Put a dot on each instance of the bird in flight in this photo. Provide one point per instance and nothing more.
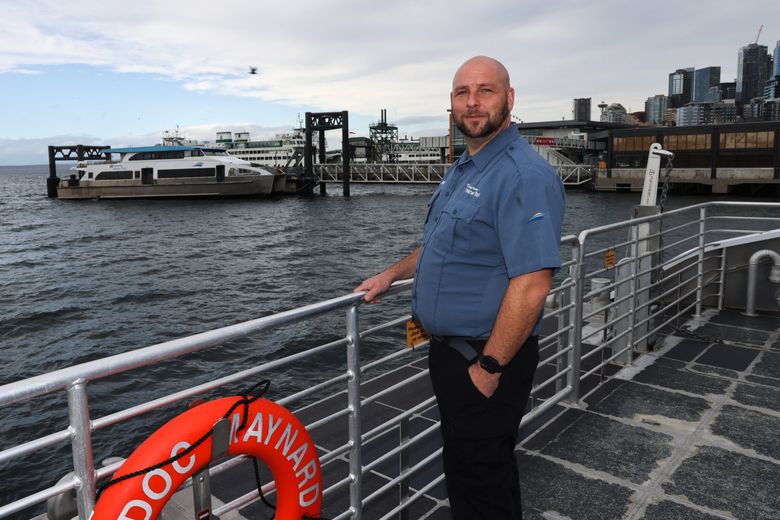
(253, 70)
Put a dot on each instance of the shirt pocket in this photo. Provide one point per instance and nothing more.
(459, 226)
(430, 205)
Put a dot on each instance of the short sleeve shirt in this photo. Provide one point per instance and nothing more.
(495, 216)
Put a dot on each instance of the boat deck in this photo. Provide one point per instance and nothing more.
(686, 433)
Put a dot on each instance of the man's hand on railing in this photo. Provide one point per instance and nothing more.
(380, 283)
(375, 286)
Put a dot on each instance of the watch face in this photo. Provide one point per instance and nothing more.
(489, 364)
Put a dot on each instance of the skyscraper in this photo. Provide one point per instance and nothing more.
(655, 108)
(680, 87)
(703, 79)
(777, 60)
(581, 109)
(752, 71)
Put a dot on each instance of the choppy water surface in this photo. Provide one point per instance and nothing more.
(83, 280)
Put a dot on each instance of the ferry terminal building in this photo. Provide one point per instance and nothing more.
(718, 159)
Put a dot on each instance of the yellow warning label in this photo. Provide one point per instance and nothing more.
(609, 258)
(415, 334)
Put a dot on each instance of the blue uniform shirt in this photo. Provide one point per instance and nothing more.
(495, 216)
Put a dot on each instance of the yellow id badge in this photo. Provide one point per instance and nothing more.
(415, 334)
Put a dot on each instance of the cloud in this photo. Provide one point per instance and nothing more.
(35, 150)
(397, 55)
(421, 120)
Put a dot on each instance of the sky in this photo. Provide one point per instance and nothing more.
(122, 73)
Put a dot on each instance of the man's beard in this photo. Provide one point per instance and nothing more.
(490, 126)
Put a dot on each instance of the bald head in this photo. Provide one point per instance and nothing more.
(484, 65)
(482, 100)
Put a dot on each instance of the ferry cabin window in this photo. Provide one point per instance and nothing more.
(114, 175)
(153, 156)
(191, 172)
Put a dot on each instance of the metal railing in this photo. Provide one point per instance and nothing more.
(575, 174)
(635, 262)
(376, 173)
(571, 175)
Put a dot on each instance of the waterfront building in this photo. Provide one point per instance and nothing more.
(772, 88)
(457, 140)
(772, 110)
(697, 114)
(728, 90)
(716, 155)
(723, 112)
(754, 110)
(690, 115)
(581, 109)
(564, 142)
(655, 109)
(670, 118)
(703, 80)
(681, 87)
(752, 72)
(617, 113)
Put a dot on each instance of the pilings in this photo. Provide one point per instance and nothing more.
(74, 152)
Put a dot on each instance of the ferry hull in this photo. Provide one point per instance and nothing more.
(260, 186)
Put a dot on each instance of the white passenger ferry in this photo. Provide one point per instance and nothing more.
(168, 171)
(280, 151)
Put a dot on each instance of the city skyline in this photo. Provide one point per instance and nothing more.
(84, 73)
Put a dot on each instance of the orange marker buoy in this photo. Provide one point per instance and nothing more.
(271, 433)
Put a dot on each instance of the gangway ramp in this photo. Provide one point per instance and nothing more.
(572, 175)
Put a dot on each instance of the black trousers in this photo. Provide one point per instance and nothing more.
(480, 433)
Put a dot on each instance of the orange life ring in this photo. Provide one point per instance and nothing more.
(271, 434)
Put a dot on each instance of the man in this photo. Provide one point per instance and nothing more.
(482, 273)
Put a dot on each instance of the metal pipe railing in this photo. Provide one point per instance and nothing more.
(671, 289)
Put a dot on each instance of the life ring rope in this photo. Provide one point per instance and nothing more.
(245, 401)
(261, 430)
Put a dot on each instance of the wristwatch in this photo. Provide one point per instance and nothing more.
(489, 364)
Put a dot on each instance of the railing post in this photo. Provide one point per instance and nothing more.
(623, 273)
(634, 288)
(403, 467)
(578, 275)
(81, 442)
(353, 395)
(722, 281)
(700, 277)
(564, 339)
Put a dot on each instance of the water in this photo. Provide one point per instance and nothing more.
(83, 280)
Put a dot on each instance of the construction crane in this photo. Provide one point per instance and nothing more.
(759, 33)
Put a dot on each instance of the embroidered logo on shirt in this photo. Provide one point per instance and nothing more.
(471, 190)
(536, 216)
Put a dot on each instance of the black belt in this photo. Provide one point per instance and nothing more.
(462, 344)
